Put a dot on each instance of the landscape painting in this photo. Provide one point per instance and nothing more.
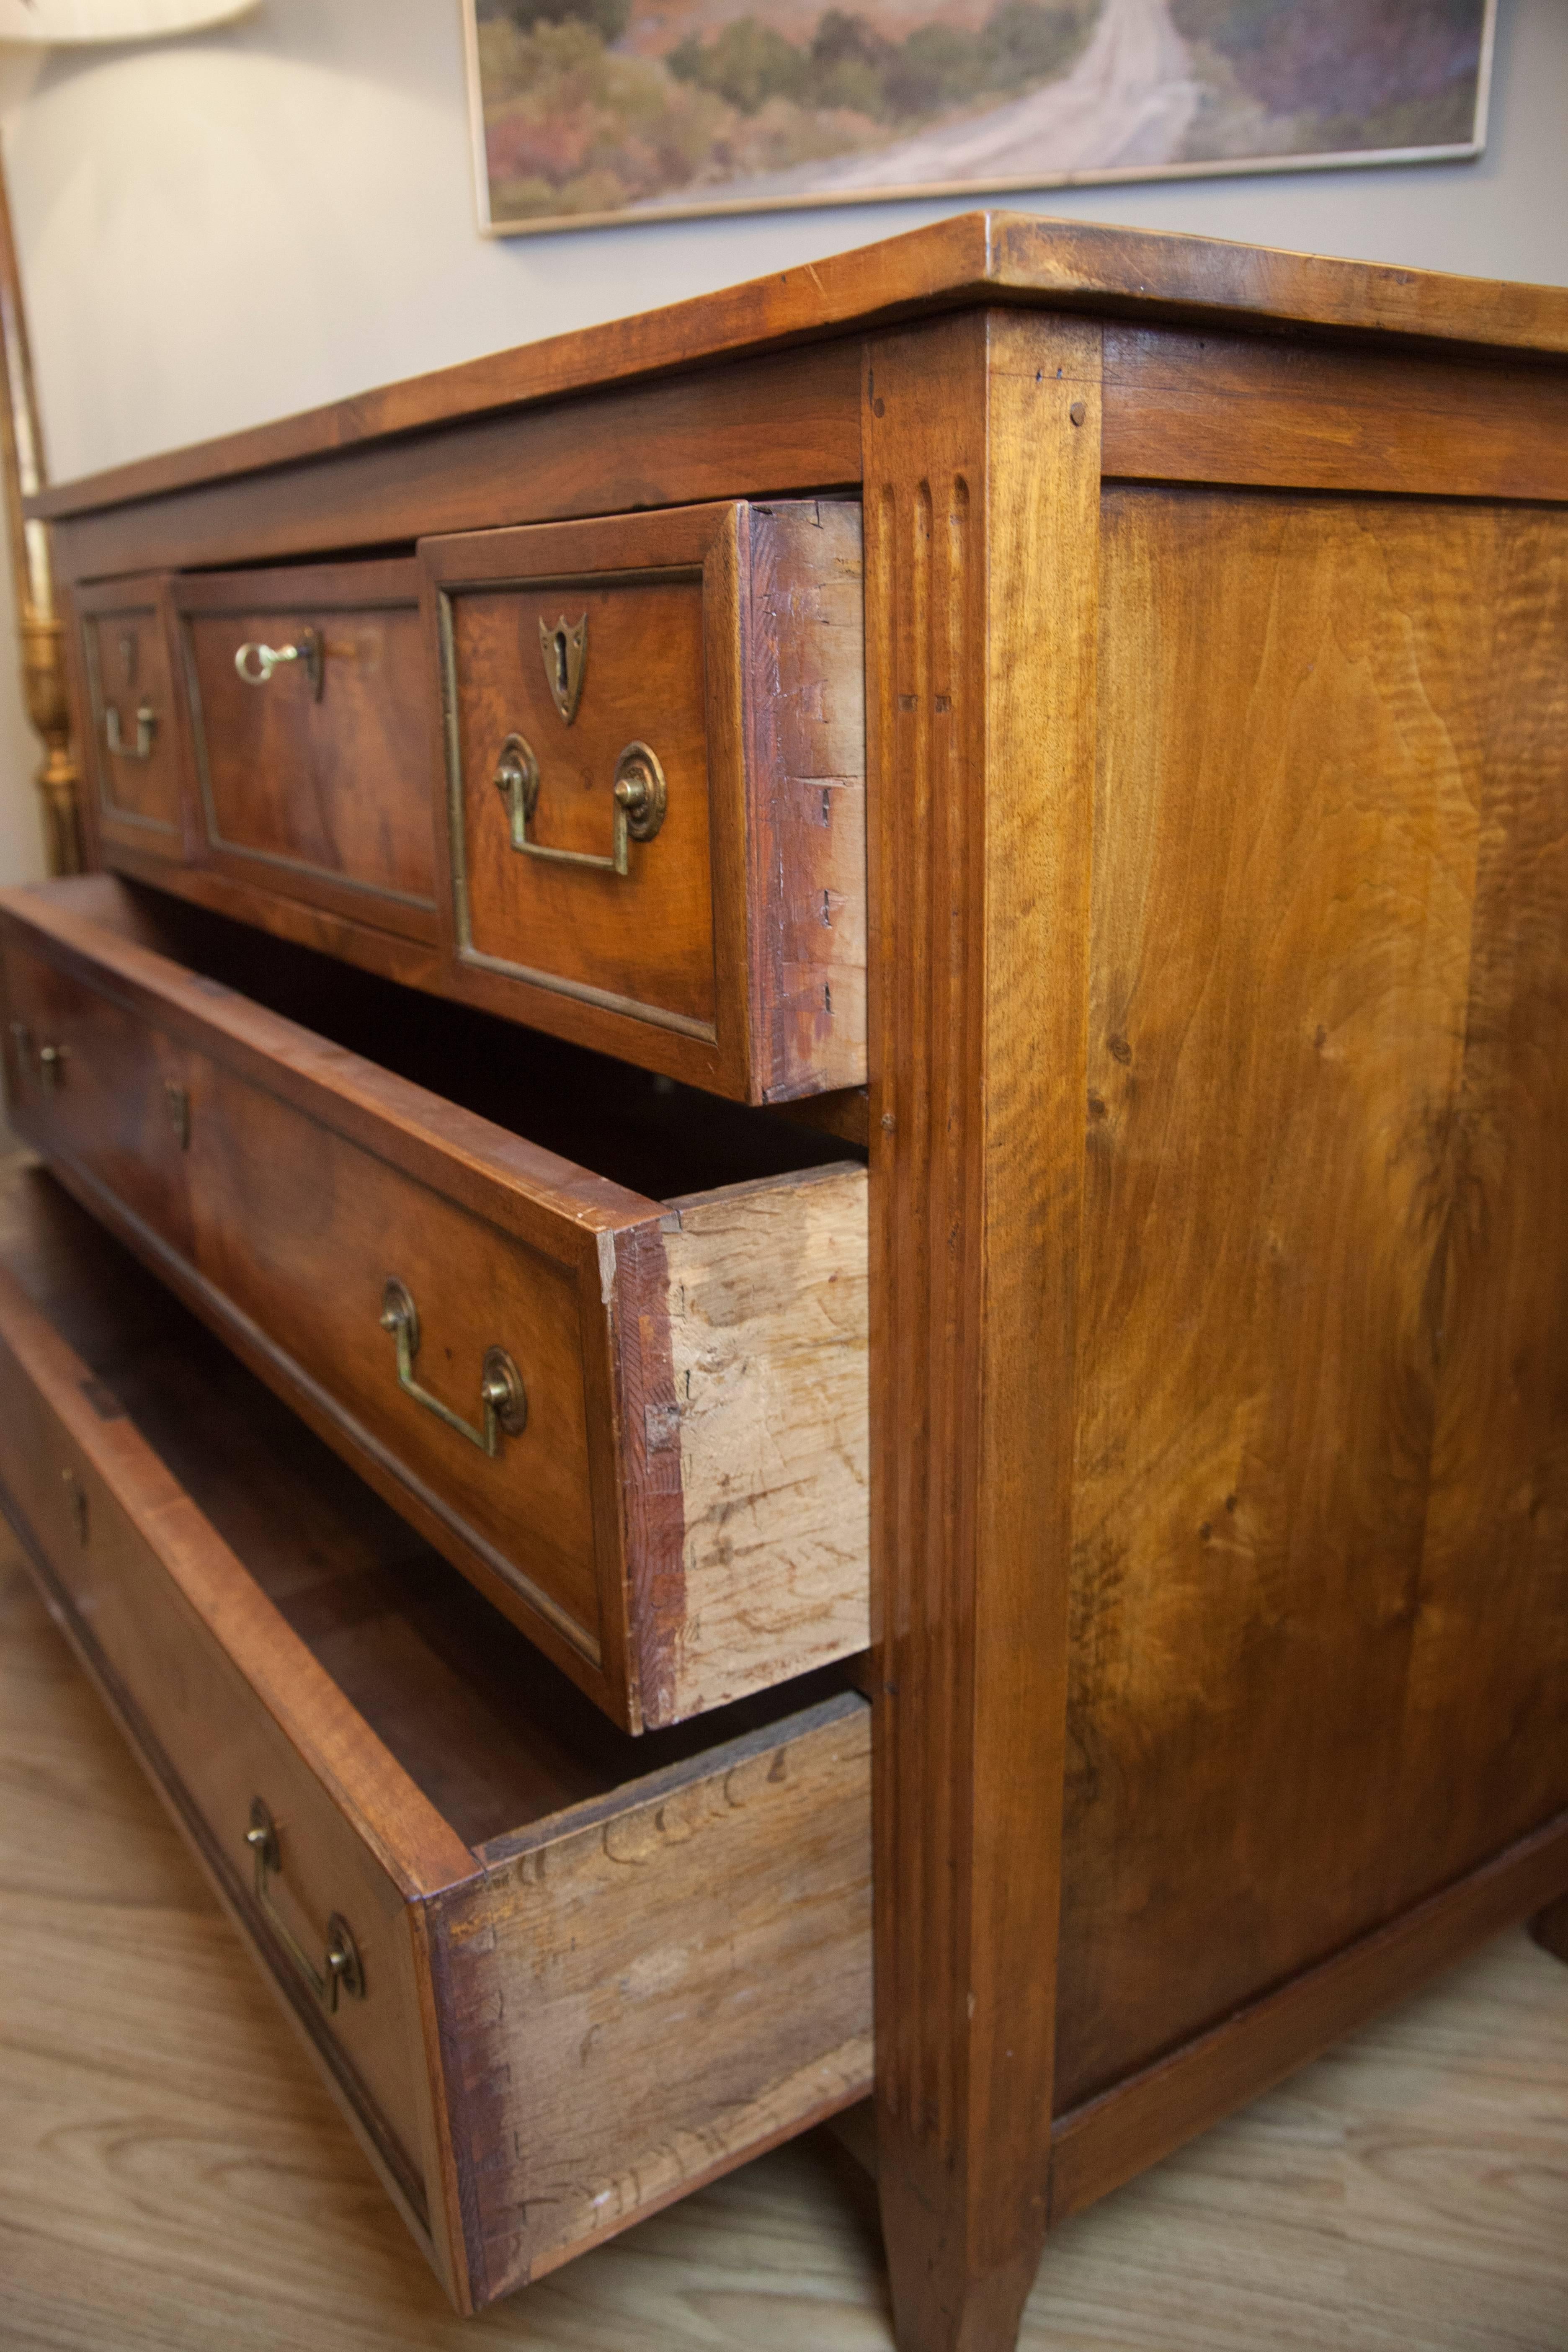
(588, 112)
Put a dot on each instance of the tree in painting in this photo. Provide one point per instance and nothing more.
(598, 107)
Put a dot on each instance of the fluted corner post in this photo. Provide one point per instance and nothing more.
(981, 440)
(43, 643)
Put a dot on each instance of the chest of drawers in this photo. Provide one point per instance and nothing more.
(879, 959)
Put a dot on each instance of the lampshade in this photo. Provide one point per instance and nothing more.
(50, 21)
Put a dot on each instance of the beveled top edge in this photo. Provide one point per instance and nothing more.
(1007, 256)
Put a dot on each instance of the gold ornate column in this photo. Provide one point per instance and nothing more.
(43, 650)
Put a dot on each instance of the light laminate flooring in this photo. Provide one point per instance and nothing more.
(172, 2175)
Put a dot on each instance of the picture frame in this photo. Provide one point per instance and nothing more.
(591, 113)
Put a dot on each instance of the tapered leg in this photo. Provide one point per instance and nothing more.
(982, 486)
(1550, 1928)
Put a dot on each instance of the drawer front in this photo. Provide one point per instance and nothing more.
(301, 1230)
(127, 710)
(214, 1749)
(655, 775)
(310, 737)
(88, 1077)
(556, 876)
(295, 1231)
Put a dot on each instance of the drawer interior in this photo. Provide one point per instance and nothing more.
(495, 1737)
(650, 1133)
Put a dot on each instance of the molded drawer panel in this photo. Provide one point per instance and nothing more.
(309, 735)
(655, 745)
(119, 639)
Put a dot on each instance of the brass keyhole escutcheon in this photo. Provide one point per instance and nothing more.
(564, 647)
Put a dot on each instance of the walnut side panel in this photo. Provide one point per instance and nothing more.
(734, 1890)
(981, 493)
(1107, 2141)
(1319, 1603)
(1483, 1757)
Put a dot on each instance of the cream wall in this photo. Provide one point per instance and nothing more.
(216, 230)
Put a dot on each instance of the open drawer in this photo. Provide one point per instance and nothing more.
(556, 1976)
(616, 1372)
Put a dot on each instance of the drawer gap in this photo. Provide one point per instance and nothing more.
(638, 1129)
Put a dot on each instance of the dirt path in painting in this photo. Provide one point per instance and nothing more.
(1129, 100)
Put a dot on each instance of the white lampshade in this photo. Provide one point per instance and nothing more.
(46, 22)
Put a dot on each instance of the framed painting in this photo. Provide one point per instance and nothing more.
(591, 111)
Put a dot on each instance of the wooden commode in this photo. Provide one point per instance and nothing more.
(819, 1067)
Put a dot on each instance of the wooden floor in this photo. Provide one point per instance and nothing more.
(170, 2176)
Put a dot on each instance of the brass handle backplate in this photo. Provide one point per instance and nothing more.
(637, 798)
(341, 1973)
(256, 662)
(503, 1399)
(146, 728)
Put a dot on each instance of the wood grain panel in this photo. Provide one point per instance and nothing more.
(1482, 1752)
(735, 1890)
(982, 504)
(1286, 869)
(642, 940)
(765, 1308)
(765, 426)
(1248, 408)
(108, 1099)
(728, 639)
(328, 793)
(1097, 2146)
(118, 648)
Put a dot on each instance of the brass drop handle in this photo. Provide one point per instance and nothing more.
(256, 662)
(341, 1973)
(637, 798)
(503, 1399)
(146, 728)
